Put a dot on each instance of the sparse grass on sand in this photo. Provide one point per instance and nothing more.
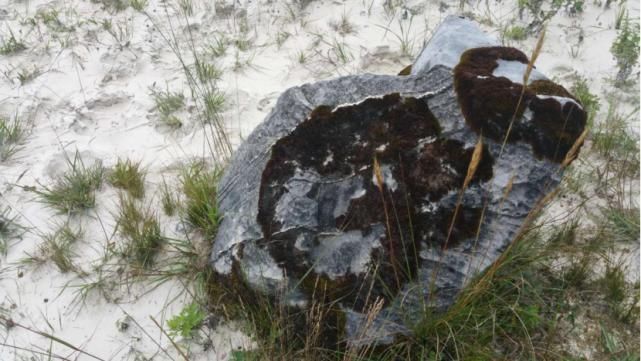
(138, 225)
(12, 133)
(74, 190)
(57, 248)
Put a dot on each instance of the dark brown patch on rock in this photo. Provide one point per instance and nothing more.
(489, 104)
(339, 147)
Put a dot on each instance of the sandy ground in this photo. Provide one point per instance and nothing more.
(92, 94)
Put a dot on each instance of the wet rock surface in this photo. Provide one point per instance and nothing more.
(351, 185)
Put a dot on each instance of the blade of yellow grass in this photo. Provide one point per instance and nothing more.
(535, 55)
(379, 183)
(474, 162)
(574, 151)
(526, 77)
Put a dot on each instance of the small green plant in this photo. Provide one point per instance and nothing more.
(614, 285)
(117, 5)
(301, 57)
(57, 247)
(515, 33)
(219, 46)
(613, 141)
(207, 71)
(621, 224)
(167, 103)
(343, 25)
(199, 187)
(403, 36)
(626, 49)
(12, 133)
(214, 102)
(26, 75)
(11, 45)
(186, 6)
(75, 189)
(590, 101)
(9, 228)
(168, 199)
(139, 5)
(244, 356)
(129, 176)
(281, 37)
(187, 321)
(140, 228)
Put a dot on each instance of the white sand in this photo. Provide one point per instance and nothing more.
(93, 96)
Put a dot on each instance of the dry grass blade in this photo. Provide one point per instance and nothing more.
(379, 183)
(471, 170)
(180, 351)
(526, 77)
(535, 55)
(507, 190)
(7, 321)
(358, 352)
(474, 162)
(574, 151)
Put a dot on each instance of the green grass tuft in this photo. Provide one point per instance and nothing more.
(12, 134)
(167, 103)
(515, 33)
(626, 49)
(187, 321)
(590, 101)
(168, 199)
(199, 186)
(129, 176)
(75, 189)
(9, 229)
(140, 228)
(11, 45)
(57, 247)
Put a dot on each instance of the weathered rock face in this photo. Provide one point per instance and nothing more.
(351, 184)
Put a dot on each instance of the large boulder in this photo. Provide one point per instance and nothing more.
(360, 188)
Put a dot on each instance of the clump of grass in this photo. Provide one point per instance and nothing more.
(301, 57)
(139, 5)
(129, 176)
(281, 37)
(12, 133)
(117, 5)
(219, 46)
(75, 189)
(57, 247)
(187, 321)
(515, 33)
(626, 49)
(140, 228)
(207, 71)
(50, 17)
(590, 101)
(167, 103)
(168, 199)
(343, 25)
(199, 186)
(614, 142)
(11, 45)
(9, 228)
(621, 224)
(613, 283)
(26, 75)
